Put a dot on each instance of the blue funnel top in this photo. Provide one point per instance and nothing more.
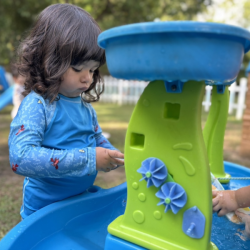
(180, 50)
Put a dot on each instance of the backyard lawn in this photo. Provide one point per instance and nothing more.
(114, 120)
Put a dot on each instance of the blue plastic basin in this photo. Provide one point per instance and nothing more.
(180, 50)
(81, 222)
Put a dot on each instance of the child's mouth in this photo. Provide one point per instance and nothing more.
(83, 88)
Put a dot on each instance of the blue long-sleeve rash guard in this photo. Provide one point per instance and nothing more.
(53, 146)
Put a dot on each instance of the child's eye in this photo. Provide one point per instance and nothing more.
(76, 70)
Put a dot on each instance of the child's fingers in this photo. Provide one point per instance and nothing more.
(215, 201)
(118, 161)
(117, 158)
(115, 164)
(244, 217)
(239, 214)
(216, 208)
(221, 212)
(115, 154)
(107, 169)
(214, 193)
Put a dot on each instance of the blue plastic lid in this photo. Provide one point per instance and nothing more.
(176, 26)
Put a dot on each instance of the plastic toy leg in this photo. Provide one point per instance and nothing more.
(214, 132)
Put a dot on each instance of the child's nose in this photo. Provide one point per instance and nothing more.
(86, 76)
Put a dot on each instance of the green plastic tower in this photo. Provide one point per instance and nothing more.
(166, 126)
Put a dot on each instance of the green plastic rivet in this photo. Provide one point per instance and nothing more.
(138, 216)
(135, 185)
(157, 215)
(167, 200)
(142, 197)
(148, 174)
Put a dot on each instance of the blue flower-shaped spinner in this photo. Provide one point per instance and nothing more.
(173, 196)
(153, 171)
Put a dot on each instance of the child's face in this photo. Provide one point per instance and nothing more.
(77, 79)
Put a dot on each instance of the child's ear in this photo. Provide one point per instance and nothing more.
(20, 79)
(15, 78)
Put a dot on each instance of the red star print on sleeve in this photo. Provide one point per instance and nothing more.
(96, 128)
(55, 162)
(103, 142)
(20, 130)
(14, 167)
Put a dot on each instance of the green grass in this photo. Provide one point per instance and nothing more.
(113, 119)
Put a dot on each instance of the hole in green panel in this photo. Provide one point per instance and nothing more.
(172, 111)
(137, 140)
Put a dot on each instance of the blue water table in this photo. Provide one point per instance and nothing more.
(166, 202)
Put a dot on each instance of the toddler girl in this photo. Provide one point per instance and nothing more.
(55, 140)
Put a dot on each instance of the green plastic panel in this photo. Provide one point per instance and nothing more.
(166, 126)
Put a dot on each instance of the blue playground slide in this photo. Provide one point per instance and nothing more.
(6, 97)
(3, 81)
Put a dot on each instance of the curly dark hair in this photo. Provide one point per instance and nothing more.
(63, 35)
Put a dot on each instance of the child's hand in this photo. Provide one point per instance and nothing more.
(246, 219)
(224, 202)
(106, 159)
